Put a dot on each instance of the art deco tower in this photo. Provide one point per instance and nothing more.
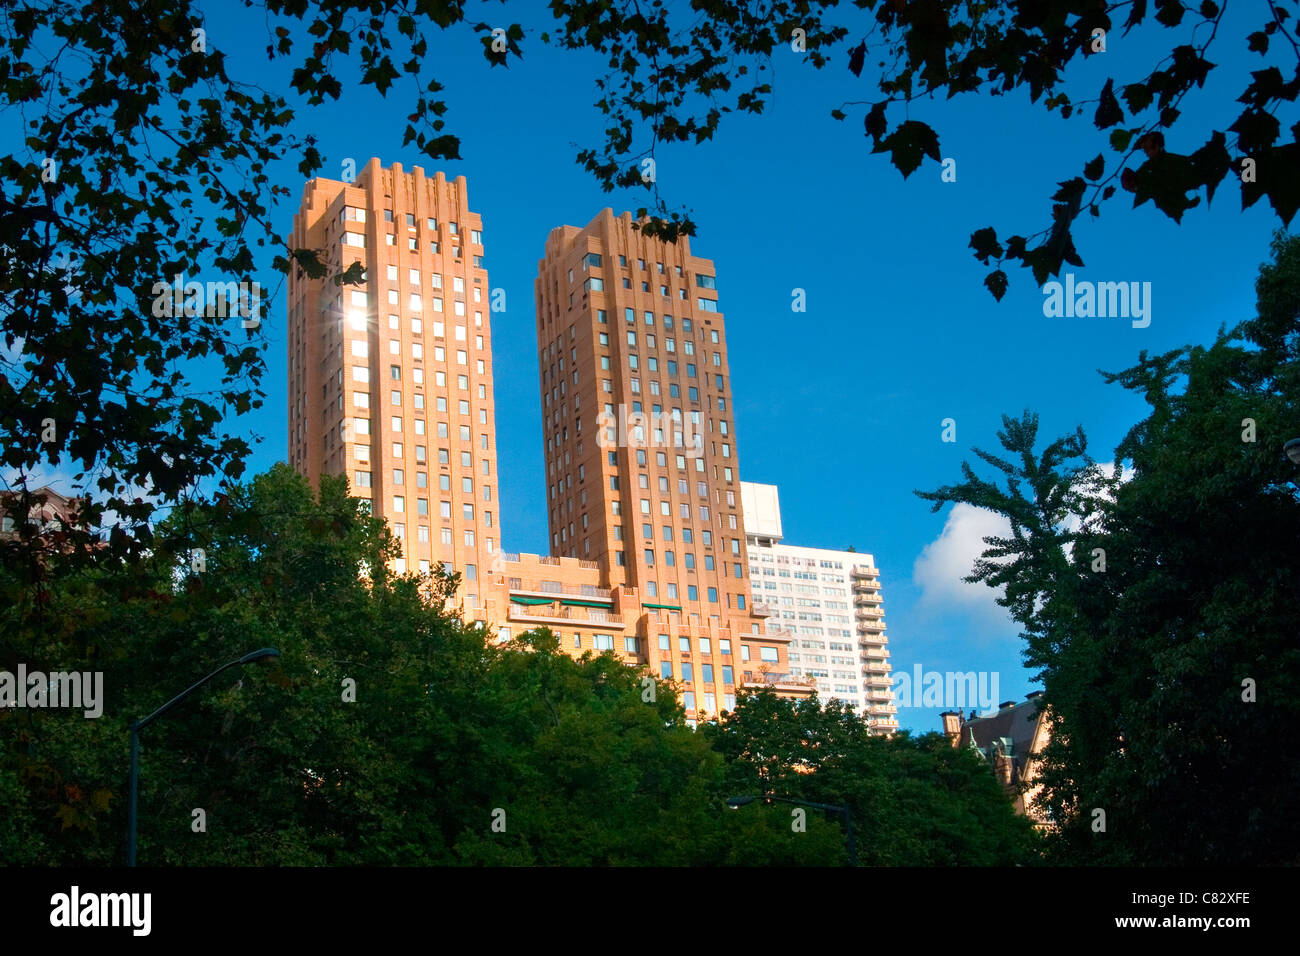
(390, 382)
(642, 466)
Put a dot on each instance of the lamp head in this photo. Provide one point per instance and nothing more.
(264, 653)
(1292, 449)
(737, 802)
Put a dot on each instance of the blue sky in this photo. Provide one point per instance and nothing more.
(899, 333)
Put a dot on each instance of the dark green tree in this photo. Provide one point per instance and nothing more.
(141, 159)
(388, 732)
(916, 801)
(674, 71)
(1160, 612)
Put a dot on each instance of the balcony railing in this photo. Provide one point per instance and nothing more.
(555, 587)
(771, 679)
(572, 615)
(512, 557)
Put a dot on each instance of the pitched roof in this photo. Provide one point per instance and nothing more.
(1011, 730)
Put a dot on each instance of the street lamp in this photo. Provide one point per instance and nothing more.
(1292, 449)
(136, 726)
(850, 844)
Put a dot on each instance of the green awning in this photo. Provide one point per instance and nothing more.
(531, 600)
(664, 607)
(583, 602)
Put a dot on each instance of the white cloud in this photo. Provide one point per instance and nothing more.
(944, 562)
(1074, 522)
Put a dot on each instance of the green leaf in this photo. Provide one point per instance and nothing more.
(857, 56)
(908, 144)
(1108, 109)
(1275, 178)
(1169, 12)
(1138, 96)
(874, 122)
(985, 243)
(996, 283)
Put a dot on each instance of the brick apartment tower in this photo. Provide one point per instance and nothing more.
(390, 382)
(629, 326)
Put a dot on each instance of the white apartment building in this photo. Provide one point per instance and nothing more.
(828, 603)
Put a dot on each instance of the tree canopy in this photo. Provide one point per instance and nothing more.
(139, 159)
(916, 801)
(1159, 604)
(390, 732)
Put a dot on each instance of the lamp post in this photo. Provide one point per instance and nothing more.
(850, 844)
(133, 785)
